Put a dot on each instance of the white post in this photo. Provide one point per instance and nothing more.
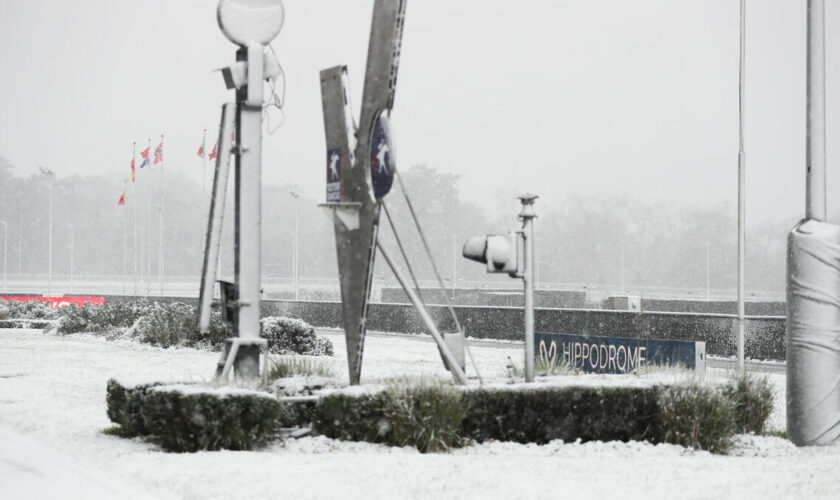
(527, 215)
(621, 250)
(295, 248)
(49, 173)
(149, 226)
(71, 257)
(815, 191)
(454, 264)
(5, 249)
(741, 189)
(708, 272)
(160, 225)
(125, 235)
(134, 205)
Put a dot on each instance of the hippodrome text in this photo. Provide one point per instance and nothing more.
(614, 354)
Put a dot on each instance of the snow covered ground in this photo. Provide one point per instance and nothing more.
(52, 413)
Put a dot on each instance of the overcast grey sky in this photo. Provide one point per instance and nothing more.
(555, 97)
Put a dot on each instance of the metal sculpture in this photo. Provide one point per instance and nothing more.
(360, 167)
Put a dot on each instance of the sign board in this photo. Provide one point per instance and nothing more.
(381, 157)
(617, 355)
(57, 301)
(334, 175)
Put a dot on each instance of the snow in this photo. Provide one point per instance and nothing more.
(52, 396)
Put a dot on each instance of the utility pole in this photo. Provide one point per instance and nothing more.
(5, 252)
(296, 196)
(741, 188)
(71, 257)
(50, 174)
(527, 216)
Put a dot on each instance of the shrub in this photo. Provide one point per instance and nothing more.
(188, 418)
(352, 418)
(176, 324)
(292, 366)
(753, 398)
(541, 414)
(427, 416)
(697, 416)
(124, 405)
(103, 318)
(31, 309)
(4, 311)
(293, 336)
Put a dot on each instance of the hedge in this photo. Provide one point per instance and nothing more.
(189, 418)
(436, 416)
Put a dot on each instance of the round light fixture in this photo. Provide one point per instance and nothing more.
(246, 22)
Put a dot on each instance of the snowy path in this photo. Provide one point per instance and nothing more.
(52, 392)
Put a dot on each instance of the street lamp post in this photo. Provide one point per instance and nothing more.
(71, 258)
(49, 173)
(5, 251)
(296, 196)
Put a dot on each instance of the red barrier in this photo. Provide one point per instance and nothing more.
(59, 301)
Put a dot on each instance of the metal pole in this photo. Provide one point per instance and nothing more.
(5, 248)
(454, 365)
(134, 205)
(49, 266)
(71, 257)
(741, 188)
(295, 250)
(708, 272)
(160, 225)
(527, 215)
(454, 264)
(248, 263)
(125, 236)
(815, 190)
(149, 227)
(622, 267)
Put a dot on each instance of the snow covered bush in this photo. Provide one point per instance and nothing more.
(753, 398)
(352, 417)
(176, 324)
(290, 335)
(426, 415)
(541, 414)
(31, 309)
(124, 407)
(189, 418)
(697, 416)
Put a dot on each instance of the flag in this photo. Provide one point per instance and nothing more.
(201, 149)
(132, 169)
(145, 155)
(122, 198)
(213, 153)
(158, 154)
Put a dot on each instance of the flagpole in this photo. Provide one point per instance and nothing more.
(125, 230)
(149, 227)
(160, 226)
(203, 181)
(134, 205)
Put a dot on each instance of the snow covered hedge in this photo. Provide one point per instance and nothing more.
(175, 324)
(692, 415)
(189, 418)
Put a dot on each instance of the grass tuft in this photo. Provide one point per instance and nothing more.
(753, 398)
(300, 366)
(425, 414)
(697, 416)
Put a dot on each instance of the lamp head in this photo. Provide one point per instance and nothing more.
(246, 22)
